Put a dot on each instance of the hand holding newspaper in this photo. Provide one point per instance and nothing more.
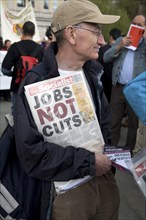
(63, 112)
(119, 157)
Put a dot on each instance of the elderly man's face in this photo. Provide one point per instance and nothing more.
(88, 39)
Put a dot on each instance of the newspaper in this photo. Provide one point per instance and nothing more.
(64, 113)
(138, 169)
(119, 156)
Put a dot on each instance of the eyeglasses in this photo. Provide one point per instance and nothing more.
(97, 33)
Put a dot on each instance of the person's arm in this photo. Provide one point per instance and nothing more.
(114, 51)
(125, 41)
(6, 72)
(9, 60)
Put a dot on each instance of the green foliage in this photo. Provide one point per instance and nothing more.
(133, 8)
(108, 7)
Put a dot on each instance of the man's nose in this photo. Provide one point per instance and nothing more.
(101, 40)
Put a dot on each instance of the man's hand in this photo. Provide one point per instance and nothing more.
(102, 163)
(125, 41)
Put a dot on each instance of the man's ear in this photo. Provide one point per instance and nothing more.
(70, 34)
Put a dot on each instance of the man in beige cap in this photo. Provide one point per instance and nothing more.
(77, 29)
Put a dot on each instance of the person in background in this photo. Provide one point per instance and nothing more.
(76, 26)
(49, 37)
(107, 74)
(9, 64)
(127, 64)
(7, 44)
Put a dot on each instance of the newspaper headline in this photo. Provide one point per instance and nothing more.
(64, 113)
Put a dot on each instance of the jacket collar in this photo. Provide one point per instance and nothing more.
(49, 60)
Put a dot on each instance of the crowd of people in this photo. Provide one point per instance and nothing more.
(9, 66)
(75, 43)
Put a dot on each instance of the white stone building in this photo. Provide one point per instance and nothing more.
(43, 10)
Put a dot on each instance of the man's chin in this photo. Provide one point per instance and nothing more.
(95, 57)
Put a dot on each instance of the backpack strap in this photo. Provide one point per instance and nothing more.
(40, 70)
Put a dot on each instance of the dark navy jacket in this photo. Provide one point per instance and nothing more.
(48, 161)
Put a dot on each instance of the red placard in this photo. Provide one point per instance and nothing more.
(135, 32)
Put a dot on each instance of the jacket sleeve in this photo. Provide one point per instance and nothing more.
(6, 72)
(111, 53)
(9, 60)
(43, 160)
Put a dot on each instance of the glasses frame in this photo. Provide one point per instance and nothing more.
(97, 33)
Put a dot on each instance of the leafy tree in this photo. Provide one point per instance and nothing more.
(133, 8)
(109, 7)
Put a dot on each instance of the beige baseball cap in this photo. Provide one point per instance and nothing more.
(73, 12)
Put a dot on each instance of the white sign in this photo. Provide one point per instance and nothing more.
(5, 81)
(11, 23)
